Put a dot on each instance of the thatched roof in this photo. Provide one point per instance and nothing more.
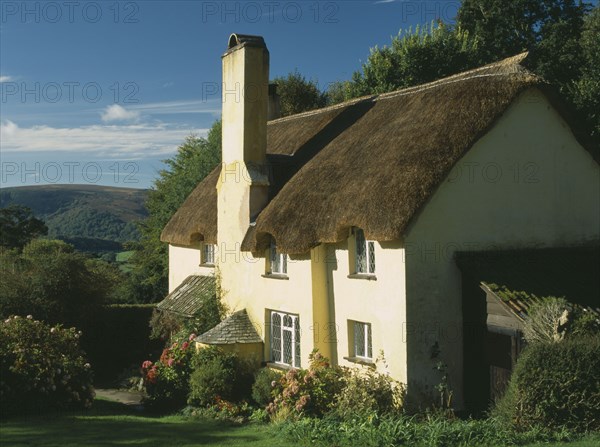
(371, 162)
(196, 218)
(190, 296)
(236, 329)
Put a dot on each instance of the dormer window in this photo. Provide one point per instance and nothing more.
(208, 254)
(278, 261)
(364, 254)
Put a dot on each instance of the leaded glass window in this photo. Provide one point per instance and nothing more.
(363, 345)
(365, 253)
(285, 339)
(278, 260)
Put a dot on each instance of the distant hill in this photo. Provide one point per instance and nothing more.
(94, 218)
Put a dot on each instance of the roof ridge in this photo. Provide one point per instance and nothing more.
(513, 61)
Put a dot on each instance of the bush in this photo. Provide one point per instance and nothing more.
(219, 376)
(367, 392)
(43, 367)
(546, 321)
(263, 387)
(166, 381)
(555, 385)
(307, 392)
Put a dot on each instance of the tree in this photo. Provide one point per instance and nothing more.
(414, 57)
(18, 226)
(53, 282)
(586, 90)
(194, 160)
(549, 29)
(298, 95)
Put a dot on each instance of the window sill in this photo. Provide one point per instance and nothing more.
(361, 361)
(279, 366)
(367, 276)
(206, 265)
(276, 276)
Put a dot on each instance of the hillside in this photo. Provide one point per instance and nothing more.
(93, 218)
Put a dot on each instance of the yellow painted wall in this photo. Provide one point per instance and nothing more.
(244, 287)
(527, 183)
(185, 261)
(380, 302)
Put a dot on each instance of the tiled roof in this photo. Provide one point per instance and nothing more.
(189, 297)
(519, 306)
(236, 329)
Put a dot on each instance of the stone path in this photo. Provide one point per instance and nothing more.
(131, 398)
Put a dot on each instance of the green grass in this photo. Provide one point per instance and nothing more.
(111, 423)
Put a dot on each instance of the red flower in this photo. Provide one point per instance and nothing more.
(185, 345)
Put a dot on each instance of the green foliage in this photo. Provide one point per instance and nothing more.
(194, 160)
(298, 95)
(18, 226)
(555, 385)
(414, 57)
(367, 393)
(219, 377)
(42, 367)
(308, 392)
(265, 381)
(166, 381)
(52, 281)
(95, 219)
(586, 90)
(402, 430)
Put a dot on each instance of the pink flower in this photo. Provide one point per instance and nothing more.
(192, 336)
(185, 345)
(147, 364)
(170, 362)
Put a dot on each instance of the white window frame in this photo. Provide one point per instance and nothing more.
(362, 350)
(277, 261)
(208, 254)
(285, 328)
(362, 245)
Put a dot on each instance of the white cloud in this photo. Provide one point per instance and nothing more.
(8, 128)
(131, 141)
(5, 78)
(212, 106)
(116, 112)
(168, 84)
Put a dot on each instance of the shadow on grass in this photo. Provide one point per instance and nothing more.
(111, 423)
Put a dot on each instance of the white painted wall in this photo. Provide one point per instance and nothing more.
(527, 183)
(185, 261)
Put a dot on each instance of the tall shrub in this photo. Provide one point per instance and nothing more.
(555, 385)
(42, 367)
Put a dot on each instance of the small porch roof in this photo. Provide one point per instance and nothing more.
(233, 330)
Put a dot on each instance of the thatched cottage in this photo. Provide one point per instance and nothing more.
(339, 229)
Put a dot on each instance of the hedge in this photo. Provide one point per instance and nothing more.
(118, 338)
(555, 385)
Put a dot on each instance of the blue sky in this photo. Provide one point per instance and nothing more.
(101, 92)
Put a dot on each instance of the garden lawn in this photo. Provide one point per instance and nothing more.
(112, 423)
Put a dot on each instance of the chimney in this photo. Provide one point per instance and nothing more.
(243, 186)
(245, 100)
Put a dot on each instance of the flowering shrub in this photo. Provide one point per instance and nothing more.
(42, 367)
(166, 381)
(308, 392)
